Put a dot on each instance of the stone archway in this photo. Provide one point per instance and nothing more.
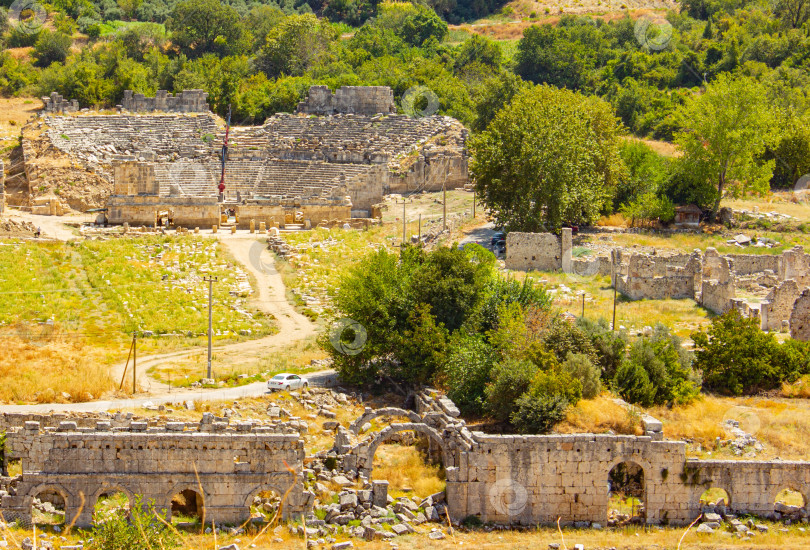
(371, 414)
(366, 458)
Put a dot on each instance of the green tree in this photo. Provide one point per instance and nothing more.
(51, 47)
(510, 379)
(545, 402)
(736, 357)
(610, 345)
(549, 158)
(726, 131)
(207, 26)
(467, 371)
(479, 49)
(794, 13)
(633, 384)
(579, 367)
(422, 349)
(295, 45)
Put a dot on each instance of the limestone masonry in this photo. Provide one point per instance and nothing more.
(506, 479)
(333, 161)
(775, 286)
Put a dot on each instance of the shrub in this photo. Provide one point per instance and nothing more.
(736, 357)
(422, 348)
(563, 338)
(511, 378)
(579, 367)
(51, 47)
(544, 404)
(467, 371)
(633, 384)
(610, 345)
(537, 415)
(141, 530)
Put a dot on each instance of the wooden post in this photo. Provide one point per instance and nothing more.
(614, 306)
(444, 207)
(420, 229)
(126, 366)
(403, 221)
(134, 360)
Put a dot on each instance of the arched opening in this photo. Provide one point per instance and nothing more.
(412, 463)
(111, 504)
(789, 505)
(264, 506)
(715, 499)
(48, 507)
(187, 508)
(626, 494)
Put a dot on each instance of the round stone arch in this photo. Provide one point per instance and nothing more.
(67, 496)
(793, 485)
(108, 489)
(646, 468)
(392, 429)
(387, 411)
(179, 488)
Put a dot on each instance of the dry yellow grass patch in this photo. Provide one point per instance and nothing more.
(800, 388)
(599, 416)
(782, 426)
(42, 370)
(404, 467)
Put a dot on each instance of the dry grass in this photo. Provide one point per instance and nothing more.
(58, 369)
(800, 388)
(600, 415)
(405, 468)
(782, 426)
(781, 202)
(614, 220)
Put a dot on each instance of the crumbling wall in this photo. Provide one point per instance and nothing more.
(187, 101)
(718, 283)
(82, 464)
(776, 309)
(55, 103)
(362, 100)
(539, 251)
(800, 317)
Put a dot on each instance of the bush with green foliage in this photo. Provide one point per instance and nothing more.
(546, 401)
(737, 358)
(579, 367)
(51, 47)
(467, 371)
(142, 529)
(610, 345)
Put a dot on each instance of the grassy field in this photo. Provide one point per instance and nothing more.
(69, 309)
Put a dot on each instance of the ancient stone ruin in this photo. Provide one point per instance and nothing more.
(57, 104)
(187, 101)
(772, 284)
(359, 100)
(302, 169)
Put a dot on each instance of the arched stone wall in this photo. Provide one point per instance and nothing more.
(371, 414)
(366, 458)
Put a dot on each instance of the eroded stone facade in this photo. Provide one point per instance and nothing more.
(187, 101)
(230, 466)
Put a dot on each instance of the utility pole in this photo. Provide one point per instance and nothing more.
(583, 304)
(420, 229)
(210, 281)
(444, 206)
(403, 221)
(134, 360)
(614, 306)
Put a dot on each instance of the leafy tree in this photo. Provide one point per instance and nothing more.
(610, 345)
(422, 26)
(353, 12)
(550, 157)
(422, 349)
(649, 208)
(726, 130)
(479, 49)
(579, 367)
(544, 404)
(493, 94)
(794, 13)
(633, 384)
(261, 20)
(207, 26)
(295, 45)
(563, 338)
(467, 371)
(451, 284)
(509, 380)
(736, 357)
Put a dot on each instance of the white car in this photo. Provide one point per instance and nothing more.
(286, 381)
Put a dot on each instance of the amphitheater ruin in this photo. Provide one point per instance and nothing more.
(505, 479)
(774, 289)
(331, 162)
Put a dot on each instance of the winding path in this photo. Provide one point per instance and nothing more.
(251, 251)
